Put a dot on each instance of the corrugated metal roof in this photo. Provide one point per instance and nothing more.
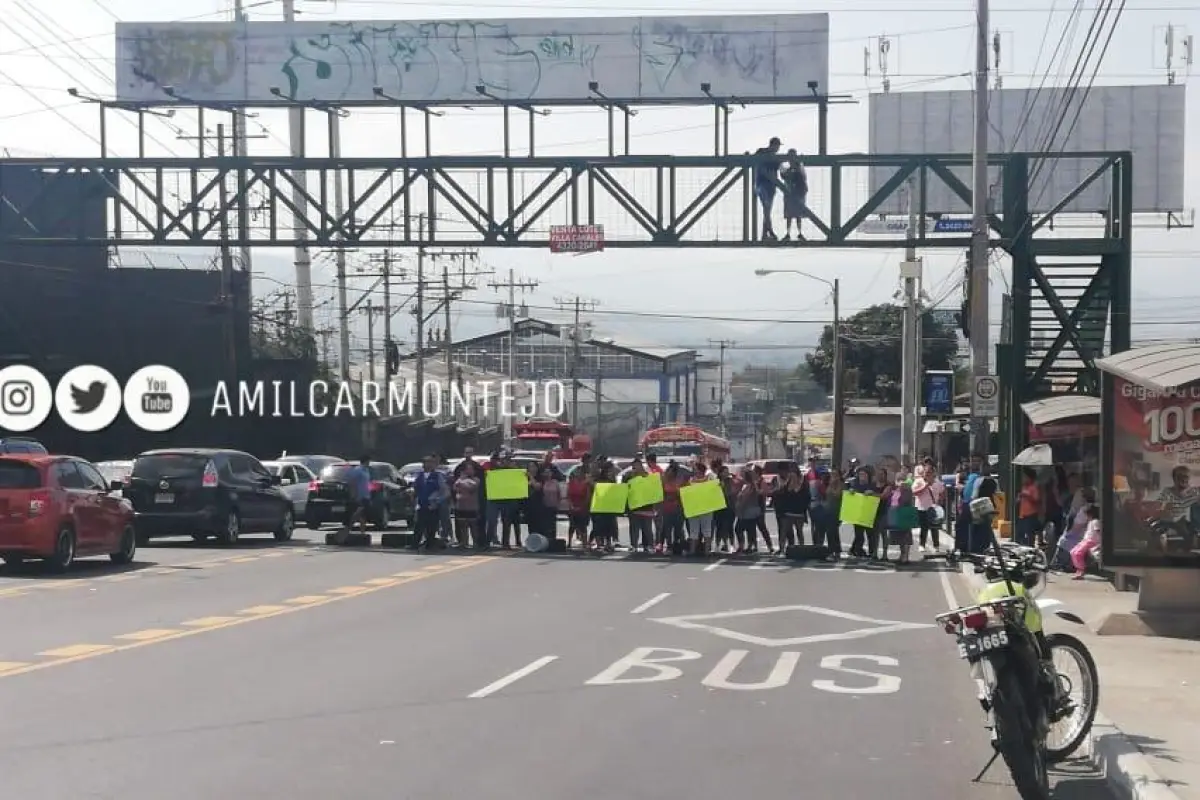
(1060, 407)
(1163, 366)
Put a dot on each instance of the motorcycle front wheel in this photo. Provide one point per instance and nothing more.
(1069, 733)
(1026, 760)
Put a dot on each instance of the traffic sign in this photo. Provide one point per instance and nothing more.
(985, 398)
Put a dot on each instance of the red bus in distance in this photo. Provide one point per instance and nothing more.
(684, 443)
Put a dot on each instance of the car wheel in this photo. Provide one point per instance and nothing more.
(64, 551)
(233, 529)
(128, 547)
(287, 526)
(383, 519)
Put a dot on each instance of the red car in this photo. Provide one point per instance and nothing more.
(60, 508)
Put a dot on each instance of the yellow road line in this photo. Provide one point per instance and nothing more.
(259, 610)
(76, 650)
(348, 591)
(148, 635)
(10, 666)
(207, 624)
(381, 582)
(307, 599)
(131, 575)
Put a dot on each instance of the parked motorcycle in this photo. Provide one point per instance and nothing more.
(1036, 720)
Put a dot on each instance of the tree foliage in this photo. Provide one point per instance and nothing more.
(871, 349)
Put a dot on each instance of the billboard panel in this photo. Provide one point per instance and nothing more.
(1147, 120)
(1156, 476)
(634, 60)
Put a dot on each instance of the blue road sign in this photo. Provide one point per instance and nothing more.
(952, 225)
(939, 392)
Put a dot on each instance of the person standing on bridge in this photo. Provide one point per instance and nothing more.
(795, 194)
(766, 183)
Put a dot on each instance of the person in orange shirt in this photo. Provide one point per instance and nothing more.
(1029, 509)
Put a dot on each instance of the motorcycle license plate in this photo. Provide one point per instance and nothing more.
(975, 645)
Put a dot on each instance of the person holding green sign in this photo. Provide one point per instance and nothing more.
(604, 524)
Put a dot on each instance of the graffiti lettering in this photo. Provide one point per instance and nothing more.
(421, 61)
(205, 59)
(674, 51)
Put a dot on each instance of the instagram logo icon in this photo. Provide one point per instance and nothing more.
(26, 398)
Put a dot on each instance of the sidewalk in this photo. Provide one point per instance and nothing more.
(1149, 695)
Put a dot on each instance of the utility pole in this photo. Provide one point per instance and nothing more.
(512, 285)
(339, 209)
(370, 309)
(839, 381)
(978, 265)
(324, 334)
(447, 339)
(578, 305)
(304, 289)
(598, 444)
(241, 150)
(227, 289)
(723, 424)
(910, 369)
(420, 297)
(387, 309)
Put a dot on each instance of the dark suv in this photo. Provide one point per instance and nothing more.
(201, 492)
(328, 495)
(22, 444)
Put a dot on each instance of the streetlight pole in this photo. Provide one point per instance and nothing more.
(839, 405)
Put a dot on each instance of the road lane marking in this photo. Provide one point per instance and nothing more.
(406, 574)
(141, 572)
(948, 589)
(307, 599)
(651, 603)
(349, 591)
(716, 564)
(512, 677)
(147, 635)
(10, 666)
(76, 650)
(258, 610)
(209, 624)
(381, 582)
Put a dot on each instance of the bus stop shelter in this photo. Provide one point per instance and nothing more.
(1150, 475)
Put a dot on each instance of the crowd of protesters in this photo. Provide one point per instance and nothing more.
(804, 499)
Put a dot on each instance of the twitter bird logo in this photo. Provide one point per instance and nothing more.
(89, 399)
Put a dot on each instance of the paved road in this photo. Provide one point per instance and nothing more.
(313, 673)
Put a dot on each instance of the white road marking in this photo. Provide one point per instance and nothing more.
(948, 589)
(694, 622)
(513, 677)
(651, 603)
(716, 564)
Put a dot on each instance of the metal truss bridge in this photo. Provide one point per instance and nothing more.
(1070, 288)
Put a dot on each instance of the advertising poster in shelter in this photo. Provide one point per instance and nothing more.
(1156, 476)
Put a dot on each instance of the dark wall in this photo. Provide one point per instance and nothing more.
(62, 306)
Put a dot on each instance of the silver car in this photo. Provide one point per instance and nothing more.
(294, 479)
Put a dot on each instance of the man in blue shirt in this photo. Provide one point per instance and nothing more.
(430, 493)
(358, 487)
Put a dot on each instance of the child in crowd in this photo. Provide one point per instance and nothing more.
(1091, 541)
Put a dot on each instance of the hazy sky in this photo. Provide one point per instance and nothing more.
(44, 51)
